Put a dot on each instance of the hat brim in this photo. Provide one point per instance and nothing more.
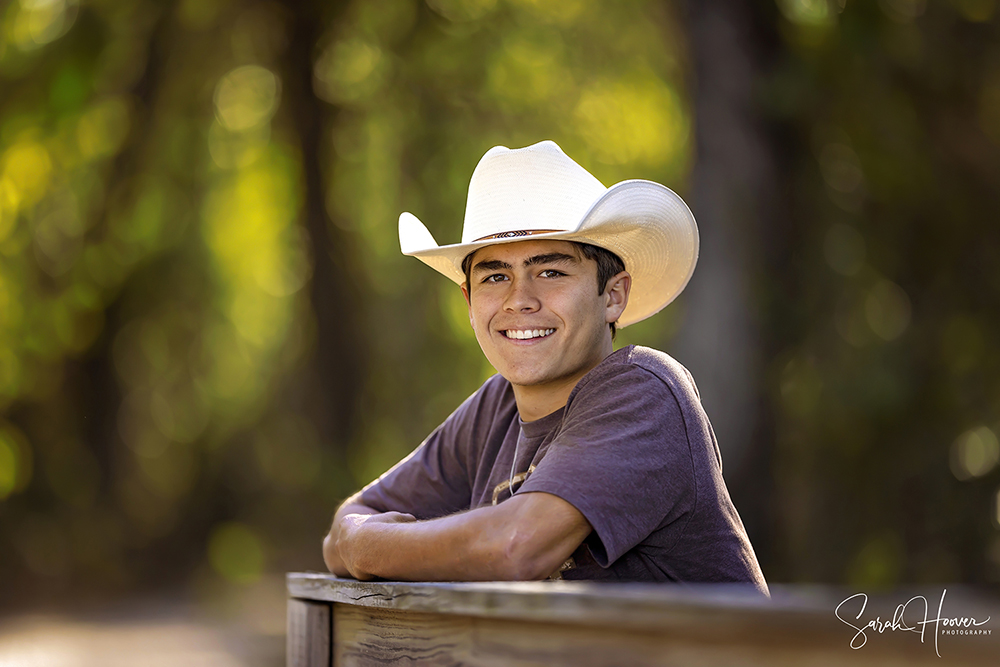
(646, 224)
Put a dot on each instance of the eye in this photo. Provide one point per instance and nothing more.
(495, 278)
(551, 273)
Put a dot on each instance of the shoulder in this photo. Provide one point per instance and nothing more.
(645, 389)
(494, 391)
(492, 401)
(636, 370)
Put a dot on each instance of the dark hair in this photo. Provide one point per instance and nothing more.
(609, 265)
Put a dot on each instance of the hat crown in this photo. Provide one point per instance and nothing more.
(538, 187)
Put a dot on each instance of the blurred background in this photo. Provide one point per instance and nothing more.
(208, 336)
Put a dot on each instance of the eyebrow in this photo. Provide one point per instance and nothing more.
(549, 258)
(490, 265)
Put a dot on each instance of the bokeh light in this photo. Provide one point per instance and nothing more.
(974, 453)
(632, 121)
(887, 308)
(807, 12)
(38, 22)
(103, 127)
(246, 97)
(236, 552)
(349, 71)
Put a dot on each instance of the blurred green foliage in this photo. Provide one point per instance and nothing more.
(208, 336)
(161, 287)
(883, 383)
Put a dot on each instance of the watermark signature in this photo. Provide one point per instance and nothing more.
(911, 616)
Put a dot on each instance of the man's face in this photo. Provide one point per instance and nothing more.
(536, 311)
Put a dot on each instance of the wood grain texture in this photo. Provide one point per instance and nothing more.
(309, 634)
(627, 605)
(366, 636)
(586, 623)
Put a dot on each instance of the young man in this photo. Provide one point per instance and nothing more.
(575, 461)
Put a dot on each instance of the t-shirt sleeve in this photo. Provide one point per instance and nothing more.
(434, 480)
(622, 458)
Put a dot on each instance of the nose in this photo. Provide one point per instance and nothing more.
(521, 297)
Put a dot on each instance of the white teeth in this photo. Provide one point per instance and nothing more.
(528, 333)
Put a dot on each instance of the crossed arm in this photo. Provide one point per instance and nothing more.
(526, 537)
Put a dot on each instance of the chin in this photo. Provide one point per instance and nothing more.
(529, 379)
(522, 381)
(516, 376)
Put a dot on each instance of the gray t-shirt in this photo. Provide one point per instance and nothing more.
(632, 450)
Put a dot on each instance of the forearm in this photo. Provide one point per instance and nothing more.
(455, 547)
(505, 542)
(331, 556)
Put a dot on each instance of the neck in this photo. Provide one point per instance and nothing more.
(534, 402)
(537, 401)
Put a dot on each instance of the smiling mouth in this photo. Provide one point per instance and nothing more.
(525, 334)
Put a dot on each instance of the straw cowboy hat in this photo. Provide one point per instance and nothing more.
(539, 192)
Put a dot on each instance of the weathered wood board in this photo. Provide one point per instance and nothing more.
(309, 634)
(588, 624)
(366, 636)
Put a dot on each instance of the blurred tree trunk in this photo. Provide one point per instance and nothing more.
(329, 395)
(733, 198)
(94, 379)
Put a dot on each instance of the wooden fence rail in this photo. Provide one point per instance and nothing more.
(342, 622)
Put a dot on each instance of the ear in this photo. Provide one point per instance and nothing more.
(468, 301)
(616, 293)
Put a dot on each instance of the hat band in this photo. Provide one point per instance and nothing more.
(520, 232)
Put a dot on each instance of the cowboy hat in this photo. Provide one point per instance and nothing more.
(541, 193)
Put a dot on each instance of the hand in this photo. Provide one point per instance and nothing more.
(351, 542)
